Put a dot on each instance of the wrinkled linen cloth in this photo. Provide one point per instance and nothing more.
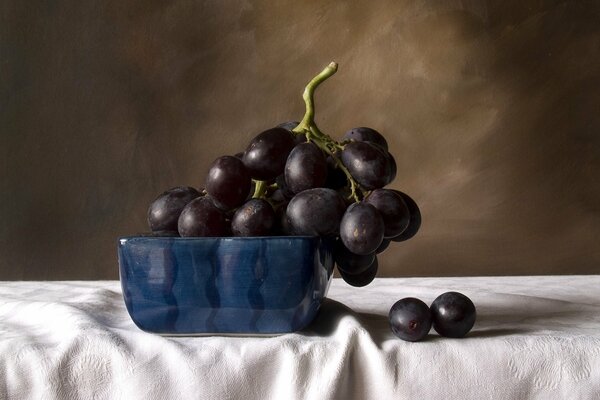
(535, 337)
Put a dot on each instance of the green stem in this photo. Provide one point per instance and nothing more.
(313, 134)
(260, 188)
(308, 96)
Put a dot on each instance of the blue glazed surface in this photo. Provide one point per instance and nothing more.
(264, 285)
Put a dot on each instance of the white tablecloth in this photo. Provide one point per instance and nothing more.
(535, 337)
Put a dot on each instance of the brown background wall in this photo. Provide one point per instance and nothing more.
(491, 108)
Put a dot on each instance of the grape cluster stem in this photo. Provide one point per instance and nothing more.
(313, 134)
(260, 188)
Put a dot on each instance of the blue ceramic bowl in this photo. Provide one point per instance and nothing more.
(249, 285)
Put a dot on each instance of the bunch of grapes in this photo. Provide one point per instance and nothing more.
(294, 179)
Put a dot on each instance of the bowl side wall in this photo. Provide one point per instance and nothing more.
(224, 285)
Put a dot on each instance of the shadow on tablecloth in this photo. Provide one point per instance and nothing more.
(494, 321)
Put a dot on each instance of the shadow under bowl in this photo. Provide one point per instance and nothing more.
(227, 285)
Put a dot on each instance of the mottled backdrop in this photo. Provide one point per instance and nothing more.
(491, 108)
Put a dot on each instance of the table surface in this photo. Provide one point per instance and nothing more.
(535, 337)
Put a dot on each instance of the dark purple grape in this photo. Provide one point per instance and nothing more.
(363, 134)
(367, 163)
(305, 168)
(164, 211)
(349, 262)
(383, 246)
(410, 319)
(202, 218)
(453, 314)
(256, 217)
(392, 208)
(316, 212)
(228, 182)
(266, 154)
(414, 222)
(361, 228)
(363, 278)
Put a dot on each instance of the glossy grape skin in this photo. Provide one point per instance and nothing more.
(202, 218)
(414, 222)
(305, 168)
(367, 163)
(364, 134)
(392, 208)
(349, 262)
(410, 319)
(256, 217)
(363, 278)
(164, 211)
(267, 153)
(316, 212)
(228, 182)
(453, 314)
(361, 228)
